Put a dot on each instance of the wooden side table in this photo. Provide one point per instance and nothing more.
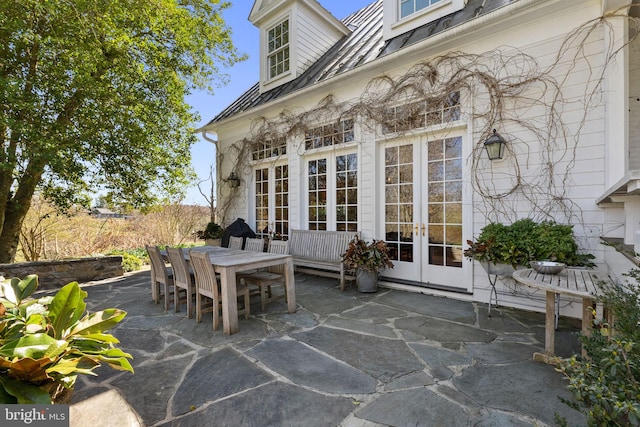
(571, 281)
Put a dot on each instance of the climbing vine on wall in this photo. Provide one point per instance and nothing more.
(507, 89)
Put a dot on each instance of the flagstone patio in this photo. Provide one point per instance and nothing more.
(392, 358)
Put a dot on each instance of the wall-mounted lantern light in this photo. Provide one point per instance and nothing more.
(233, 180)
(495, 146)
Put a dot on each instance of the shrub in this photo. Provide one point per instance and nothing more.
(212, 231)
(526, 240)
(130, 261)
(606, 383)
(46, 343)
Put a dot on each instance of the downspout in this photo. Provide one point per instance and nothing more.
(213, 141)
(214, 188)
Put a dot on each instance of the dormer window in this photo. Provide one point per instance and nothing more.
(407, 7)
(278, 54)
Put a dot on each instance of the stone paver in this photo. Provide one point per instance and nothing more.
(343, 359)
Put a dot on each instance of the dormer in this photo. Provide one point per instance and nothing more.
(293, 35)
(401, 16)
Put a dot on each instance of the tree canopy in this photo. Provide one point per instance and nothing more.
(93, 97)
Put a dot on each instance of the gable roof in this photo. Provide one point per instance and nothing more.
(365, 44)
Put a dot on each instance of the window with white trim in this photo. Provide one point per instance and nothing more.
(339, 132)
(422, 114)
(407, 7)
(272, 201)
(332, 180)
(278, 49)
(269, 148)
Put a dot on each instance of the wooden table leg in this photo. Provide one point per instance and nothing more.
(550, 324)
(229, 300)
(290, 284)
(549, 331)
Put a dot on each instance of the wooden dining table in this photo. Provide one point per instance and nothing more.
(228, 262)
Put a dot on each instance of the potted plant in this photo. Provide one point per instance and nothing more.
(46, 342)
(502, 248)
(212, 234)
(367, 259)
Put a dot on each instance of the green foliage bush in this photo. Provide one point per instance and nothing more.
(212, 231)
(526, 240)
(606, 383)
(131, 260)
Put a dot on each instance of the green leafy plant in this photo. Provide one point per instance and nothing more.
(130, 261)
(46, 342)
(372, 256)
(526, 240)
(212, 231)
(606, 383)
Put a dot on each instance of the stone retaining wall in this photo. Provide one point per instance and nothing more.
(55, 274)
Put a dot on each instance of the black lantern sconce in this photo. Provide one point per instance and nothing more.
(233, 180)
(495, 146)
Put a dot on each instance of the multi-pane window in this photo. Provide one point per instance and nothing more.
(445, 201)
(272, 201)
(281, 218)
(262, 201)
(269, 148)
(278, 49)
(398, 191)
(333, 181)
(339, 132)
(422, 114)
(407, 7)
(347, 192)
(317, 186)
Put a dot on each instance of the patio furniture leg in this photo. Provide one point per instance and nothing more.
(549, 334)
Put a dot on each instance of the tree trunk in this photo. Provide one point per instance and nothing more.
(10, 235)
(16, 209)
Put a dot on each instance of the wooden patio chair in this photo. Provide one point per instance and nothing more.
(207, 285)
(271, 276)
(160, 275)
(235, 242)
(254, 244)
(182, 279)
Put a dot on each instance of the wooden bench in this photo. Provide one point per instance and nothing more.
(320, 252)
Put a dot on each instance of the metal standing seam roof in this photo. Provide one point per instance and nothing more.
(363, 45)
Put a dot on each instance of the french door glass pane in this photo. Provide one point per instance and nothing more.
(262, 202)
(444, 163)
(347, 192)
(317, 185)
(281, 220)
(399, 202)
(272, 206)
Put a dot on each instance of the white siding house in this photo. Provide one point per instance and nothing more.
(377, 124)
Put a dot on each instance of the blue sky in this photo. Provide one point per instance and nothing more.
(241, 77)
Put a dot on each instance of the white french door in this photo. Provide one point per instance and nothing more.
(423, 186)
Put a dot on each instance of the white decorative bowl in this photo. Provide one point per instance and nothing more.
(547, 267)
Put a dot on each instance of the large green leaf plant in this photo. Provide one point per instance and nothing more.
(46, 342)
